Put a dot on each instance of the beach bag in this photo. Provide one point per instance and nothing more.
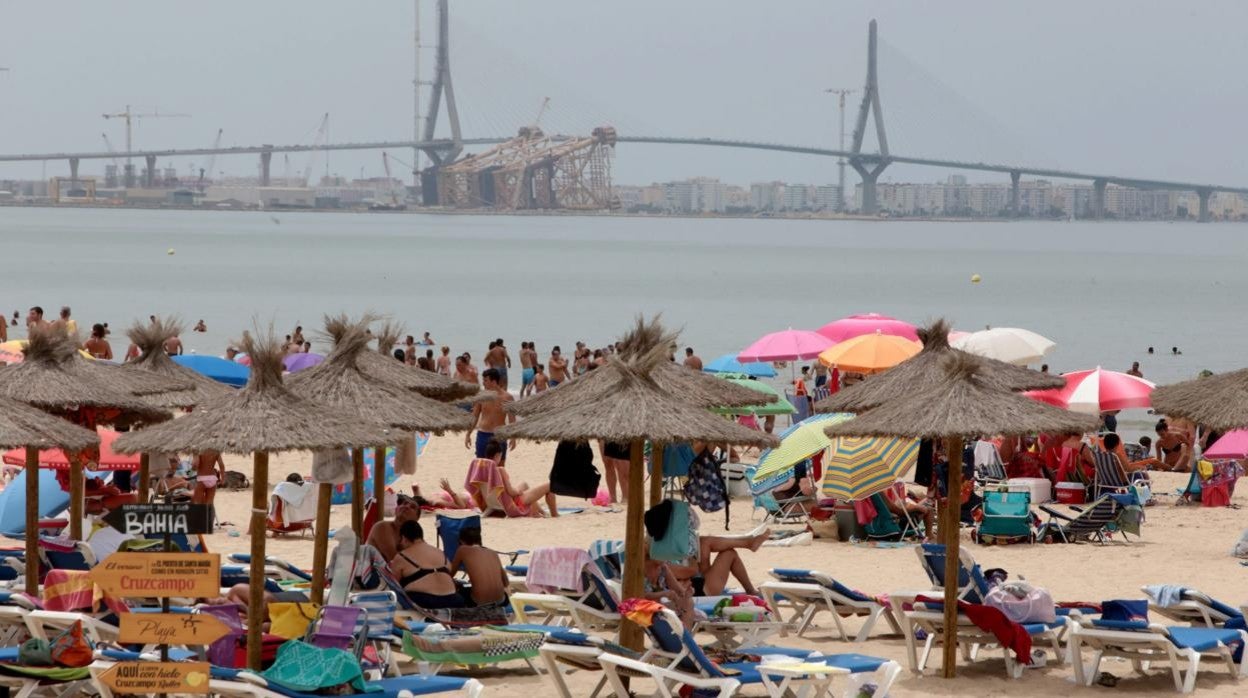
(1022, 602)
(573, 473)
(34, 652)
(71, 648)
(706, 487)
(291, 619)
(679, 537)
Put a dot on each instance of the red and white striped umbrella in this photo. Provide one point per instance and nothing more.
(1095, 391)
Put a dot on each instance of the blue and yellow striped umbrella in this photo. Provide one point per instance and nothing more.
(858, 467)
(797, 443)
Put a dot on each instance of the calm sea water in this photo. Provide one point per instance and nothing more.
(1104, 292)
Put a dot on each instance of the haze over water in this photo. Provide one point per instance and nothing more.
(1103, 291)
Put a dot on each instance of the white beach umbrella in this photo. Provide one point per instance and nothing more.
(1009, 344)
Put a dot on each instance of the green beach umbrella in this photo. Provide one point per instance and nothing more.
(779, 407)
(858, 467)
(797, 443)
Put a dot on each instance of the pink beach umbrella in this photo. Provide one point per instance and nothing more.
(789, 345)
(1095, 391)
(869, 323)
(1232, 446)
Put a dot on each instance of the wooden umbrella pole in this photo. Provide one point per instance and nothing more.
(634, 543)
(75, 497)
(656, 474)
(145, 474)
(320, 546)
(357, 492)
(379, 481)
(255, 600)
(953, 447)
(32, 521)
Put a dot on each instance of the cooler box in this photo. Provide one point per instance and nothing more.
(1071, 493)
(735, 480)
(847, 522)
(1040, 489)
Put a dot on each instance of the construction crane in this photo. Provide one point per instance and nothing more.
(130, 116)
(212, 159)
(841, 94)
(394, 196)
(322, 133)
(109, 146)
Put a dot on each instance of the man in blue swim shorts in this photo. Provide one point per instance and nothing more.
(488, 414)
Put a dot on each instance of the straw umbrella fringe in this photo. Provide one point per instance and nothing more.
(959, 404)
(339, 382)
(1216, 402)
(150, 338)
(264, 416)
(23, 425)
(923, 370)
(633, 409)
(54, 376)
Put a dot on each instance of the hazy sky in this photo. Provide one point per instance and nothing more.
(1124, 86)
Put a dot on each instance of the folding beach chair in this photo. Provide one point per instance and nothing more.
(449, 525)
(1145, 644)
(988, 466)
(929, 616)
(807, 593)
(65, 554)
(675, 659)
(1109, 475)
(1090, 523)
(335, 626)
(1007, 518)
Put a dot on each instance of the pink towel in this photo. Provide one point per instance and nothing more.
(557, 568)
(485, 484)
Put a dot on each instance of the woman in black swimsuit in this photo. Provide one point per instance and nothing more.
(1172, 448)
(423, 571)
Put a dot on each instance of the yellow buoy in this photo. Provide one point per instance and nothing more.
(975, 278)
(170, 252)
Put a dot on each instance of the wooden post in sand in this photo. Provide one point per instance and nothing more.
(357, 492)
(953, 515)
(634, 542)
(145, 474)
(32, 521)
(379, 481)
(320, 543)
(255, 601)
(656, 473)
(75, 496)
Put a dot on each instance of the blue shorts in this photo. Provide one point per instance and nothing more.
(483, 438)
(528, 375)
(554, 383)
(502, 374)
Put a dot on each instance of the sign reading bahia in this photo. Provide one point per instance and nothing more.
(144, 519)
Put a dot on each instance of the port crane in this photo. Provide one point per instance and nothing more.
(130, 116)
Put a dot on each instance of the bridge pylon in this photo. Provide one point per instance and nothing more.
(441, 89)
(870, 169)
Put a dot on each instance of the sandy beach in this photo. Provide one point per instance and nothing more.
(1181, 545)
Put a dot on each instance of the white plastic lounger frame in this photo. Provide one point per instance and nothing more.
(1143, 647)
(668, 682)
(46, 625)
(1195, 608)
(807, 600)
(969, 636)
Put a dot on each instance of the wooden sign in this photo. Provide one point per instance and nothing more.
(144, 519)
(171, 628)
(161, 575)
(157, 677)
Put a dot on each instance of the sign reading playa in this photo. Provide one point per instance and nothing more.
(160, 574)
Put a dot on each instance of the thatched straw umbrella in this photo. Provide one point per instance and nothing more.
(1216, 402)
(634, 409)
(53, 376)
(153, 360)
(261, 418)
(923, 370)
(23, 425)
(338, 382)
(960, 403)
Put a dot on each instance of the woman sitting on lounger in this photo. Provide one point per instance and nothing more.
(423, 570)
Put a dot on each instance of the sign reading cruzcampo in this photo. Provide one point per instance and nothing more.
(157, 677)
(160, 574)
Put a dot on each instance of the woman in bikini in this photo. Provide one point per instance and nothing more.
(423, 571)
(1173, 448)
